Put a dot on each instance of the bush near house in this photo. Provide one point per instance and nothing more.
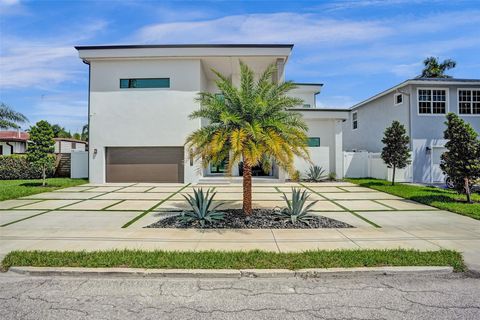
(14, 167)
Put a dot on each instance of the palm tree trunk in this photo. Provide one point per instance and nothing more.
(247, 188)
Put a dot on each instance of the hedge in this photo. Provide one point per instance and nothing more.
(16, 166)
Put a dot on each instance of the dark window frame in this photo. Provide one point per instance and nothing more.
(133, 83)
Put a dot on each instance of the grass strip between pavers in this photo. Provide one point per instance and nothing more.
(255, 259)
(141, 215)
(432, 196)
(343, 207)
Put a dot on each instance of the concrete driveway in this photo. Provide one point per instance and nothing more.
(91, 217)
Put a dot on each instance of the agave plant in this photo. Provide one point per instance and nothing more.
(202, 210)
(315, 173)
(296, 209)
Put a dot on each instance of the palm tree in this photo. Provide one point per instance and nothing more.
(10, 118)
(434, 69)
(249, 124)
(84, 135)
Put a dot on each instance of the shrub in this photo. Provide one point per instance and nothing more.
(201, 212)
(15, 167)
(295, 176)
(315, 173)
(296, 210)
(332, 176)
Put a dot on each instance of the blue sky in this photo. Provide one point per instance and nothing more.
(356, 48)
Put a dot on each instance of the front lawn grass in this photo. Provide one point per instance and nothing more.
(234, 259)
(11, 189)
(439, 198)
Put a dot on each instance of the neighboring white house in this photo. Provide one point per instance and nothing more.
(421, 105)
(12, 142)
(67, 145)
(141, 96)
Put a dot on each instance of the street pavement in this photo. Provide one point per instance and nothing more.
(453, 296)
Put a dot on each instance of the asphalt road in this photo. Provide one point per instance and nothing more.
(352, 297)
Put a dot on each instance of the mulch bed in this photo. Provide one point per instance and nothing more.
(259, 219)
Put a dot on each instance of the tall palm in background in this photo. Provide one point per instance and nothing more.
(10, 118)
(249, 124)
(434, 69)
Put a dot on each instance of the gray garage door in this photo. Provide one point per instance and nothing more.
(144, 164)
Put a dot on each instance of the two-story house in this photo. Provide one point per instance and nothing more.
(420, 105)
(140, 97)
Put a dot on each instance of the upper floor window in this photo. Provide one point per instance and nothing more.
(354, 120)
(145, 83)
(398, 99)
(432, 101)
(468, 101)
(314, 142)
(306, 105)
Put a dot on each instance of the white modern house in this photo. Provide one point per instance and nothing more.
(140, 97)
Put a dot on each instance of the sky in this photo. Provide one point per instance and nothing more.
(355, 48)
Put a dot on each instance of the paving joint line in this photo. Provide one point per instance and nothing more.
(343, 207)
(275, 241)
(129, 223)
(385, 205)
(38, 214)
(350, 239)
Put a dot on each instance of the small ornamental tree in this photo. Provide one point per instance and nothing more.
(461, 161)
(396, 153)
(41, 146)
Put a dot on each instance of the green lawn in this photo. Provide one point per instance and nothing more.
(11, 189)
(432, 196)
(234, 259)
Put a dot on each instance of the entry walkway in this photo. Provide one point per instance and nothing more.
(113, 216)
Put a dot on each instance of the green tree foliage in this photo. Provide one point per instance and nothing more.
(60, 132)
(249, 123)
(41, 146)
(396, 153)
(77, 136)
(461, 161)
(10, 118)
(434, 69)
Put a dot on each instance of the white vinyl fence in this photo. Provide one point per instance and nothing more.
(370, 165)
(79, 164)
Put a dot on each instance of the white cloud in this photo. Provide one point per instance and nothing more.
(268, 28)
(27, 62)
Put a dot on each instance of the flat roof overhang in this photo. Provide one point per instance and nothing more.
(88, 53)
(320, 113)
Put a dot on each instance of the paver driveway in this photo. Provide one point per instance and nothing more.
(91, 217)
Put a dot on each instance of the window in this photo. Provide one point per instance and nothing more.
(354, 120)
(306, 105)
(398, 99)
(314, 142)
(468, 101)
(432, 101)
(145, 83)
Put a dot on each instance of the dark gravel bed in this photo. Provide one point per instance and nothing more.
(259, 219)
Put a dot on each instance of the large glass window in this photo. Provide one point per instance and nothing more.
(145, 83)
(468, 101)
(432, 101)
(314, 142)
(354, 120)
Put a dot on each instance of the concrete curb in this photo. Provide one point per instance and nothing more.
(227, 273)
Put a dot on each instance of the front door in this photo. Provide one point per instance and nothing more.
(220, 168)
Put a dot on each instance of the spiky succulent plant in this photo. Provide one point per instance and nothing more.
(202, 210)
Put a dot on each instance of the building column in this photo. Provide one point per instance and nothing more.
(338, 149)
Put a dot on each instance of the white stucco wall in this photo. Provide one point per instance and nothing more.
(141, 117)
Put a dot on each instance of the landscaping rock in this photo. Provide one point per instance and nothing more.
(259, 219)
